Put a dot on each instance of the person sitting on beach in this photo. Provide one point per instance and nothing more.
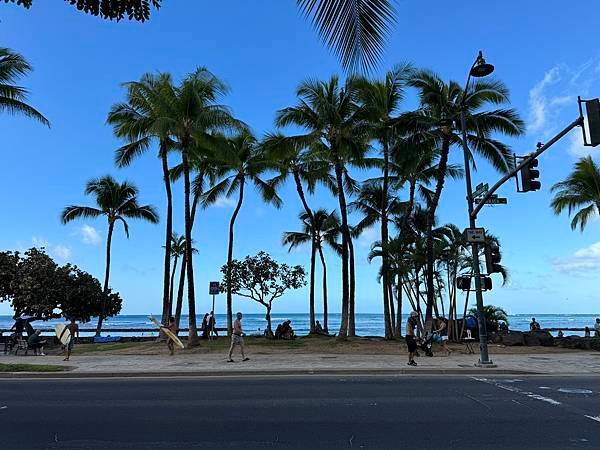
(587, 332)
(560, 334)
(597, 328)
(319, 329)
(534, 326)
(36, 343)
(286, 330)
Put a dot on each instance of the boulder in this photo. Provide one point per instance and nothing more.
(537, 338)
(513, 338)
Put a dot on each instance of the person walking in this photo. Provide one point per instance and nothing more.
(173, 329)
(73, 329)
(237, 337)
(411, 341)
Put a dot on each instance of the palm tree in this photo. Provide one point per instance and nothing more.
(117, 202)
(381, 99)
(318, 228)
(244, 161)
(438, 118)
(374, 208)
(177, 252)
(579, 192)
(191, 116)
(290, 156)
(356, 30)
(13, 98)
(337, 133)
(138, 121)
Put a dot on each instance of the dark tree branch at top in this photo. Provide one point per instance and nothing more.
(108, 9)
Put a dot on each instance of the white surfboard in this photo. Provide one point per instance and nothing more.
(62, 333)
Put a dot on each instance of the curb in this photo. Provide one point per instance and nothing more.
(241, 373)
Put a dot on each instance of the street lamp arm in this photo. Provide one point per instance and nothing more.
(576, 123)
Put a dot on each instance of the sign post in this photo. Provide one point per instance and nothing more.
(213, 289)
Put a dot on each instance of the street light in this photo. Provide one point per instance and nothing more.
(480, 68)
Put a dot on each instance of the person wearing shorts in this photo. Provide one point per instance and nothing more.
(441, 335)
(411, 340)
(237, 337)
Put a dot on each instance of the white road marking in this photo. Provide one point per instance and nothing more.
(516, 390)
(596, 418)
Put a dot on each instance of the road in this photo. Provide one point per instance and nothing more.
(301, 412)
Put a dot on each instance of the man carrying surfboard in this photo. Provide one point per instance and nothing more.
(173, 329)
(73, 329)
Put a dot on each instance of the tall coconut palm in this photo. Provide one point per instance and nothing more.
(291, 157)
(138, 121)
(374, 209)
(244, 162)
(580, 192)
(191, 116)
(381, 100)
(439, 118)
(337, 132)
(117, 202)
(13, 98)
(177, 252)
(320, 228)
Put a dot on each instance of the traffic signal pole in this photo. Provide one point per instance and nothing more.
(474, 211)
(484, 358)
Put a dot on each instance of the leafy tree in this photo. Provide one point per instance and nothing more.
(261, 279)
(579, 192)
(117, 202)
(35, 285)
(84, 297)
(108, 9)
(438, 118)
(243, 161)
(493, 314)
(13, 98)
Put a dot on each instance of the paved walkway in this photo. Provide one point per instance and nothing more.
(577, 362)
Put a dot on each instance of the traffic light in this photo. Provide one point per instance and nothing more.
(593, 115)
(493, 258)
(486, 283)
(529, 176)
(463, 283)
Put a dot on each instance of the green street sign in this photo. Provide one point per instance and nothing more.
(480, 189)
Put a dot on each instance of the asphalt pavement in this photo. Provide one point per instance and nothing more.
(302, 412)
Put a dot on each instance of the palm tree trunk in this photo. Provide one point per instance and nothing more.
(325, 312)
(442, 165)
(313, 253)
(399, 311)
(172, 288)
(345, 239)
(311, 218)
(193, 328)
(352, 306)
(230, 256)
(384, 240)
(167, 288)
(180, 290)
(392, 307)
(111, 227)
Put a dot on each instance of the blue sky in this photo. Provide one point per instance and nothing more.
(544, 52)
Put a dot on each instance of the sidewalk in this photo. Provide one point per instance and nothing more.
(263, 363)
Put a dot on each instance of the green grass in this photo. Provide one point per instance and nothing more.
(31, 368)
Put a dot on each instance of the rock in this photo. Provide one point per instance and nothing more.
(513, 338)
(537, 338)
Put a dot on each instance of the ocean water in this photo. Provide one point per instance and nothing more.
(366, 324)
